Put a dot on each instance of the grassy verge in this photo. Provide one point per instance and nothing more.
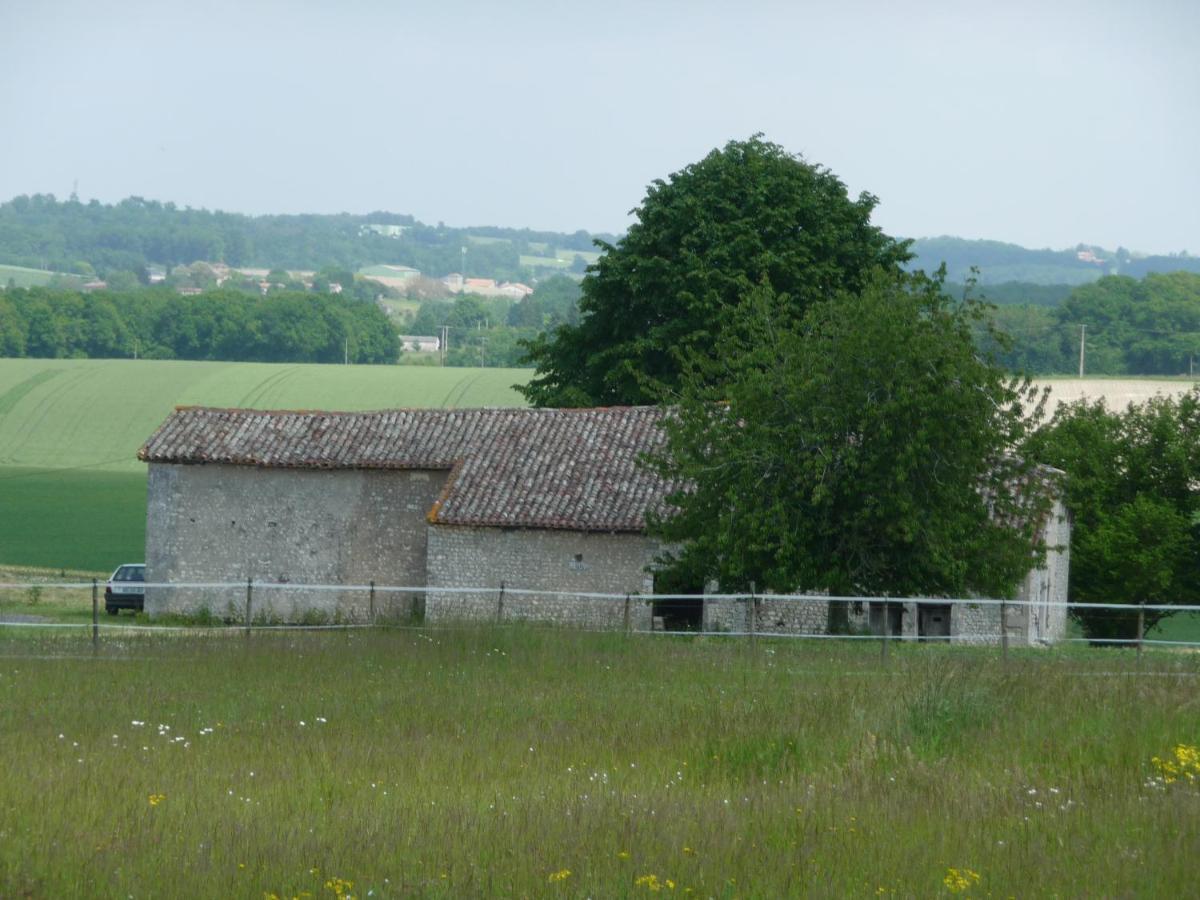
(71, 518)
(523, 762)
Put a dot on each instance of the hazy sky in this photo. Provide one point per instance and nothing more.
(1042, 123)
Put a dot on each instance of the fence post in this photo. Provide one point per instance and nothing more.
(627, 621)
(371, 602)
(752, 605)
(887, 630)
(1004, 629)
(500, 604)
(249, 601)
(95, 616)
(1141, 627)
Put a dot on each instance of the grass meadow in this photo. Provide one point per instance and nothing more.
(534, 762)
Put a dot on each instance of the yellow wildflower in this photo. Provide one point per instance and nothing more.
(623, 854)
(1183, 764)
(652, 884)
(958, 880)
(560, 875)
(156, 799)
(340, 886)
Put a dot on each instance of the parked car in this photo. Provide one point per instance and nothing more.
(126, 588)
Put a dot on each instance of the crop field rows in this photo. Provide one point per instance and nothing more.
(535, 762)
(71, 491)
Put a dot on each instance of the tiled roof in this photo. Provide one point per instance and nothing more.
(547, 468)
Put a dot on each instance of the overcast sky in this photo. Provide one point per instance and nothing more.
(1041, 123)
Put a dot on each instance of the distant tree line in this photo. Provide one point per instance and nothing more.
(999, 262)
(157, 323)
(1133, 327)
(93, 238)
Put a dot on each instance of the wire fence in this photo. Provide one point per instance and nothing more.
(285, 606)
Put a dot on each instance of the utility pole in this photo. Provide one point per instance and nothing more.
(347, 351)
(1082, 345)
(463, 283)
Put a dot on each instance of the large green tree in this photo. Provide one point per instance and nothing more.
(864, 450)
(1133, 489)
(747, 215)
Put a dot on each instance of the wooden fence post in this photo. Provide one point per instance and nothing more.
(249, 602)
(95, 616)
(500, 604)
(371, 602)
(628, 623)
(887, 630)
(1141, 627)
(1004, 629)
(752, 605)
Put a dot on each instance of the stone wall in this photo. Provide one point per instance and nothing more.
(770, 616)
(220, 523)
(539, 559)
(1042, 622)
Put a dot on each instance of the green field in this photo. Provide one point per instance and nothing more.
(72, 493)
(72, 518)
(514, 762)
(22, 277)
(96, 413)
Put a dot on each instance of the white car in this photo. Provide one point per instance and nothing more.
(125, 588)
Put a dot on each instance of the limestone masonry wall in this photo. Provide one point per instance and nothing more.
(541, 559)
(220, 523)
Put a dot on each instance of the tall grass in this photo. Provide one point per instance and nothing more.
(493, 761)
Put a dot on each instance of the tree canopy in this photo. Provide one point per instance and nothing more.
(1133, 488)
(217, 325)
(1146, 327)
(864, 450)
(748, 215)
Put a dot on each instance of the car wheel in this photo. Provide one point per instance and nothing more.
(111, 610)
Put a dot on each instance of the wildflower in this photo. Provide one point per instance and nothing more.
(958, 880)
(560, 875)
(688, 851)
(156, 799)
(1183, 764)
(340, 887)
(623, 854)
(652, 884)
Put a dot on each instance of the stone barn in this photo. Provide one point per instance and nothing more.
(501, 513)
(546, 500)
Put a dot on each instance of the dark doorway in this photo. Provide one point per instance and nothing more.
(684, 613)
(933, 621)
(895, 618)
